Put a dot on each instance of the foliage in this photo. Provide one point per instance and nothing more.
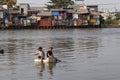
(1, 2)
(54, 4)
(117, 16)
(10, 3)
(109, 20)
(16, 8)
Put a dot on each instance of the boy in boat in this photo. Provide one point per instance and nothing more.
(51, 58)
(41, 52)
(50, 51)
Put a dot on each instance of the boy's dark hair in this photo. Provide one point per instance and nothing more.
(51, 47)
(39, 48)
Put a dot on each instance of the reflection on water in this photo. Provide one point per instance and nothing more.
(85, 54)
(41, 68)
(50, 67)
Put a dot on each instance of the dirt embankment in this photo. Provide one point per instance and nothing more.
(111, 25)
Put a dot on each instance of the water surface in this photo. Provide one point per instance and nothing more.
(86, 54)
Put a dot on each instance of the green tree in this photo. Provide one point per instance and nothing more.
(1, 2)
(117, 16)
(54, 4)
(109, 20)
(10, 3)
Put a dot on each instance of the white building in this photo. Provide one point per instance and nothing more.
(109, 13)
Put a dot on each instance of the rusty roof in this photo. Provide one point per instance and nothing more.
(44, 14)
(95, 13)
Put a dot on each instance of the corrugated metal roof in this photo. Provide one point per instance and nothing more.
(37, 8)
(95, 13)
(11, 11)
(44, 14)
(80, 11)
(71, 11)
(57, 10)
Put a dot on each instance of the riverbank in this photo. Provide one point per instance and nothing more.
(112, 26)
(17, 27)
(46, 27)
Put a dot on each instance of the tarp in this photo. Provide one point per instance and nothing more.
(75, 16)
(55, 13)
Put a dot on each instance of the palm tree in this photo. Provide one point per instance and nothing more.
(59, 4)
(1, 2)
(10, 3)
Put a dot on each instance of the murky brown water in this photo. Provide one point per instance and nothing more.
(86, 54)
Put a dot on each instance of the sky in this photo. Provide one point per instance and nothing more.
(102, 4)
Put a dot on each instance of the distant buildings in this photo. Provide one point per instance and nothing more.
(106, 13)
(74, 15)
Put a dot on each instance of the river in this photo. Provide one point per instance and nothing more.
(85, 54)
